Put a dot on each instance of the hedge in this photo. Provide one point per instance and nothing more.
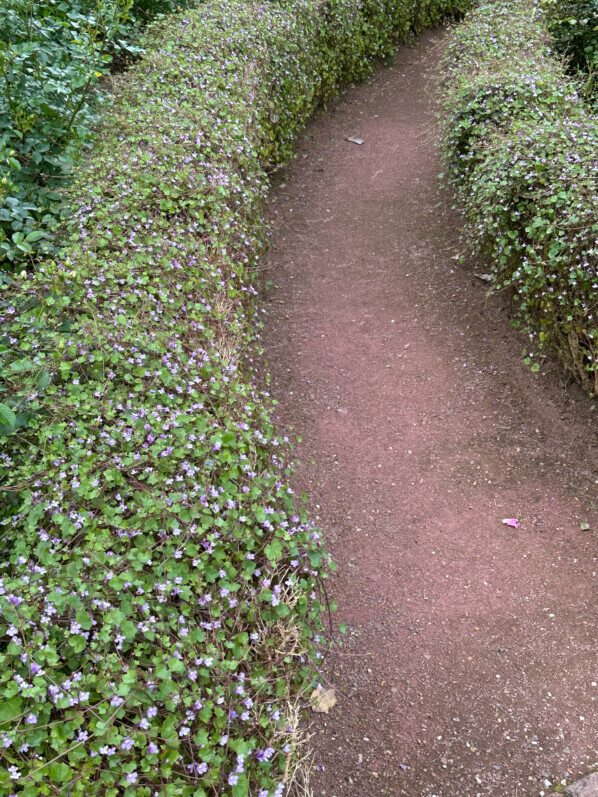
(522, 150)
(159, 599)
(573, 25)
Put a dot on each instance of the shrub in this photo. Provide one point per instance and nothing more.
(159, 604)
(53, 55)
(574, 27)
(521, 149)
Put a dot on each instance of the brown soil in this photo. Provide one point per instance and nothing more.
(469, 667)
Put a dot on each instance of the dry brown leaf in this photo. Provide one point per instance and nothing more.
(322, 700)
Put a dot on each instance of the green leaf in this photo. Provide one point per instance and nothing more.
(9, 709)
(84, 619)
(60, 772)
(241, 788)
(274, 550)
(128, 629)
(77, 642)
(36, 235)
(7, 416)
(176, 665)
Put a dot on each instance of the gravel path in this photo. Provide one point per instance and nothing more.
(469, 666)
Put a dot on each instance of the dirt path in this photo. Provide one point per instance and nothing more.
(469, 667)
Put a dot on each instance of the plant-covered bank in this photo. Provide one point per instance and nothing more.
(159, 603)
(522, 150)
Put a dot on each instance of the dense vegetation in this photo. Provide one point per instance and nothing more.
(53, 55)
(573, 25)
(522, 150)
(158, 591)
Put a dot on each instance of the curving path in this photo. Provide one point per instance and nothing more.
(469, 666)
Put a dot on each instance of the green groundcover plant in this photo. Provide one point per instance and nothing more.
(522, 150)
(159, 601)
